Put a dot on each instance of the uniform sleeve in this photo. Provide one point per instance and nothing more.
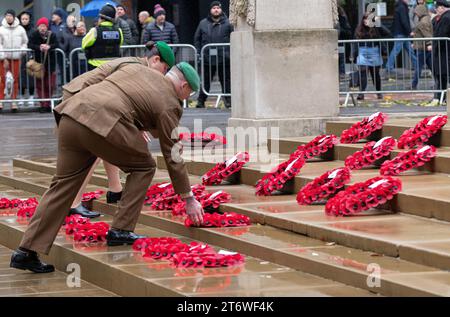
(89, 39)
(167, 123)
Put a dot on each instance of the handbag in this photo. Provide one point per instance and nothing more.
(36, 69)
(369, 56)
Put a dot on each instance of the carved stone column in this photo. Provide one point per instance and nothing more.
(284, 65)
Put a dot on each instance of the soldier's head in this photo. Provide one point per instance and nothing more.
(160, 56)
(185, 80)
(215, 9)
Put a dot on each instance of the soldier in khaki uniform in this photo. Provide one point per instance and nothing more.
(106, 120)
(158, 56)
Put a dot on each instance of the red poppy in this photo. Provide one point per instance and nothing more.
(422, 132)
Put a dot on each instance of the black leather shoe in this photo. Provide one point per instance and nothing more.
(113, 198)
(29, 261)
(120, 237)
(83, 211)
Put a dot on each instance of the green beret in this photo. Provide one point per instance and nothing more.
(190, 74)
(166, 53)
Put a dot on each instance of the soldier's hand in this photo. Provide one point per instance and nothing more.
(194, 210)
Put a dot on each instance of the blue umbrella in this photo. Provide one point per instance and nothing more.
(92, 9)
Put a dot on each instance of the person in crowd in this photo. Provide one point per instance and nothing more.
(128, 107)
(44, 54)
(345, 33)
(441, 48)
(12, 36)
(144, 19)
(122, 13)
(160, 29)
(102, 43)
(158, 56)
(58, 27)
(75, 42)
(402, 30)
(26, 80)
(216, 28)
(424, 29)
(125, 29)
(369, 57)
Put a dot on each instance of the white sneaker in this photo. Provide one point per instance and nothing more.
(31, 101)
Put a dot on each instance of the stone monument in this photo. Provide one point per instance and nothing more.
(284, 65)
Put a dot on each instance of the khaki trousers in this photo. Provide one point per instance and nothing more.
(78, 148)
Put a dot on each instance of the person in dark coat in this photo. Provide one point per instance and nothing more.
(160, 29)
(78, 67)
(122, 13)
(38, 43)
(441, 48)
(401, 30)
(27, 81)
(345, 33)
(216, 28)
(369, 57)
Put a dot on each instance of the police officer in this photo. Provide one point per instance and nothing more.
(102, 43)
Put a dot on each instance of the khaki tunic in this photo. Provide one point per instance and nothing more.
(130, 99)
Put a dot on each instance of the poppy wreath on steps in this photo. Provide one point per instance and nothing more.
(6, 203)
(168, 199)
(185, 255)
(92, 195)
(363, 196)
(156, 191)
(91, 232)
(324, 186)
(26, 212)
(209, 201)
(372, 152)
(221, 171)
(189, 260)
(217, 220)
(408, 160)
(422, 132)
(73, 220)
(277, 178)
(319, 145)
(364, 128)
(202, 137)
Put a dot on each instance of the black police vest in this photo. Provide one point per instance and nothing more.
(107, 43)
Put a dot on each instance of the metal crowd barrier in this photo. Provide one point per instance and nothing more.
(215, 61)
(22, 89)
(414, 70)
(78, 63)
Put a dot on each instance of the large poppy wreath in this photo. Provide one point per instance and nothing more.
(363, 196)
(364, 128)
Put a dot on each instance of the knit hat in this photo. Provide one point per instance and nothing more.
(10, 11)
(158, 11)
(215, 4)
(442, 3)
(42, 20)
(190, 74)
(166, 53)
(61, 13)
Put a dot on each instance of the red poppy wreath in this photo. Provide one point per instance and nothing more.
(372, 152)
(422, 132)
(221, 171)
(408, 160)
(364, 128)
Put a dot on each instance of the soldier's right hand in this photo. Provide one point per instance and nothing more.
(194, 211)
